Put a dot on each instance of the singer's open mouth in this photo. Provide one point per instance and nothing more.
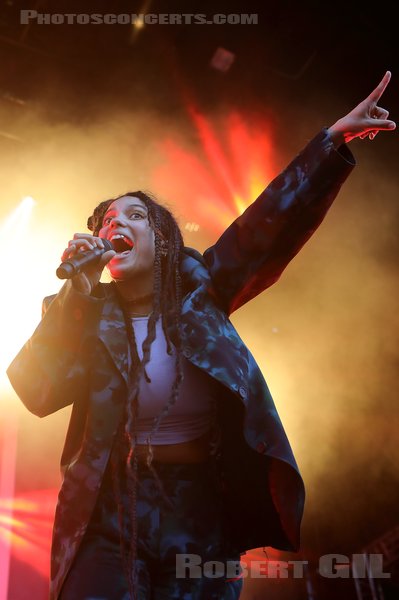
(121, 244)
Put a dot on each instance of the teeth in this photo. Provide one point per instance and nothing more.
(120, 236)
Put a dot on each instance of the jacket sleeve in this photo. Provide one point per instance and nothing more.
(50, 372)
(255, 249)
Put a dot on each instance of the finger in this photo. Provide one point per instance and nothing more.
(68, 252)
(82, 242)
(96, 242)
(381, 124)
(379, 90)
(83, 236)
(380, 113)
(106, 257)
(83, 239)
(75, 246)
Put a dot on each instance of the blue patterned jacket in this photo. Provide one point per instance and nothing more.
(79, 354)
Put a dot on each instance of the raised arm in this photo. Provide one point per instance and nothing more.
(366, 119)
(255, 249)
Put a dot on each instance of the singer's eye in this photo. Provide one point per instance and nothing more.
(138, 215)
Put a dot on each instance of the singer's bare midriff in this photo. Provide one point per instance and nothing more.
(194, 451)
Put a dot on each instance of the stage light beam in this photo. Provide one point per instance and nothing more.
(14, 250)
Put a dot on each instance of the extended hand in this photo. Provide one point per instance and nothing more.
(366, 119)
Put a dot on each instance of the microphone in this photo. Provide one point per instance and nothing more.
(71, 267)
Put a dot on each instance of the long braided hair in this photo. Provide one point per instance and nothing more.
(167, 306)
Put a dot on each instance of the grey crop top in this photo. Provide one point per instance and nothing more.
(190, 416)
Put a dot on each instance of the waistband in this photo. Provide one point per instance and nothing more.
(178, 470)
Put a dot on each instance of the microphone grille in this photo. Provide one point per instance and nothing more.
(107, 244)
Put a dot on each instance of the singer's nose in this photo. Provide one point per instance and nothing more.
(115, 221)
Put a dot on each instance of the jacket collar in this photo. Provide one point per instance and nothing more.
(112, 332)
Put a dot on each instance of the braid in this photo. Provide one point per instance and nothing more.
(169, 301)
(178, 362)
(154, 218)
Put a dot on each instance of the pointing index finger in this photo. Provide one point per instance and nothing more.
(379, 90)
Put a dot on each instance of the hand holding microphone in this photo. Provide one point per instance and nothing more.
(84, 260)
